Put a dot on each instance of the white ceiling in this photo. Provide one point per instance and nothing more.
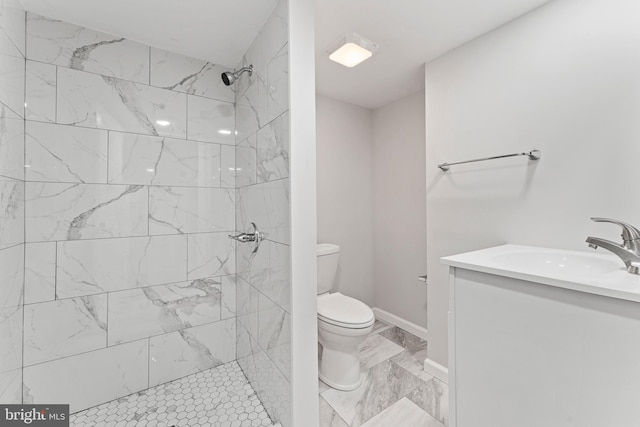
(215, 30)
(409, 32)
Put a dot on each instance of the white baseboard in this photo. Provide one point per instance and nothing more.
(436, 370)
(394, 320)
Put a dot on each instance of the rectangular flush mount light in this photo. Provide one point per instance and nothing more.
(351, 49)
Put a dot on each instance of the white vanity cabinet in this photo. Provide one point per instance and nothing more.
(537, 344)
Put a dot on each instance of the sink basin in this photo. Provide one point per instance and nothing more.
(558, 264)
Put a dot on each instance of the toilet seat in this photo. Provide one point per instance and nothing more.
(343, 311)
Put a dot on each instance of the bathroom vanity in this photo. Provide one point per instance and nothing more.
(543, 338)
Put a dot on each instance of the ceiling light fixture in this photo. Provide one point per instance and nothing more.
(163, 122)
(351, 49)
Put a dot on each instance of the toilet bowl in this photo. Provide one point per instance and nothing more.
(343, 324)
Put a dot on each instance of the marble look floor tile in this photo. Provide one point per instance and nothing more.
(182, 210)
(60, 43)
(119, 370)
(40, 96)
(407, 340)
(91, 100)
(413, 363)
(433, 397)
(193, 76)
(322, 387)
(403, 413)
(383, 385)
(155, 310)
(12, 148)
(212, 398)
(379, 326)
(57, 211)
(328, 416)
(177, 354)
(40, 272)
(106, 265)
(57, 329)
(56, 153)
(152, 160)
(376, 349)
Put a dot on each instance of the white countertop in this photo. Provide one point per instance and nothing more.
(593, 272)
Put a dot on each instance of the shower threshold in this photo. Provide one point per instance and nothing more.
(220, 397)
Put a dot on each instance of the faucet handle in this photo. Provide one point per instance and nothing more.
(630, 234)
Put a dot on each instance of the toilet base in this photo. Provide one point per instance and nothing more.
(341, 387)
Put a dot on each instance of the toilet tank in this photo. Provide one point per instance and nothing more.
(328, 256)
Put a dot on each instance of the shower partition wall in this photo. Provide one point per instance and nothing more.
(262, 197)
(12, 77)
(124, 188)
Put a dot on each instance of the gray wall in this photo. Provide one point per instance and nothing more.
(564, 79)
(399, 218)
(345, 192)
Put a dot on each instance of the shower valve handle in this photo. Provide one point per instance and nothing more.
(255, 236)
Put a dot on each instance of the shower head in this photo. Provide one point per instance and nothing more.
(229, 77)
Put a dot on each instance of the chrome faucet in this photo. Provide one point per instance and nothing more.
(628, 252)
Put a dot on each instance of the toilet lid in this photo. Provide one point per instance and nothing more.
(343, 310)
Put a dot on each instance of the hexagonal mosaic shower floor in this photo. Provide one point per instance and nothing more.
(220, 397)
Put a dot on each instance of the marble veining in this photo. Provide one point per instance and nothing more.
(191, 350)
(57, 329)
(11, 276)
(11, 338)
(11, 387)
(266, 204)
(40, 272)
(210, 255)
(12, 195)
(67, 45)
(273, 150)
(189, 210)
(108, 265)
(151, 160)
(193, 76)
(91, 100)
(404, 413)
(246, 153)
(155, 310)
(84, 211)
(12, 148)
(278, 84)
(211, 120)
(57, 153)
(40, 95)
(12, 78)
(12, 23)
(119, 370)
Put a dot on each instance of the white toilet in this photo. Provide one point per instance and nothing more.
(343, 324)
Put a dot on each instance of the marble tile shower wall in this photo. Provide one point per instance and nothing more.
(129, 197)
(12, 77)
(262, 160)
